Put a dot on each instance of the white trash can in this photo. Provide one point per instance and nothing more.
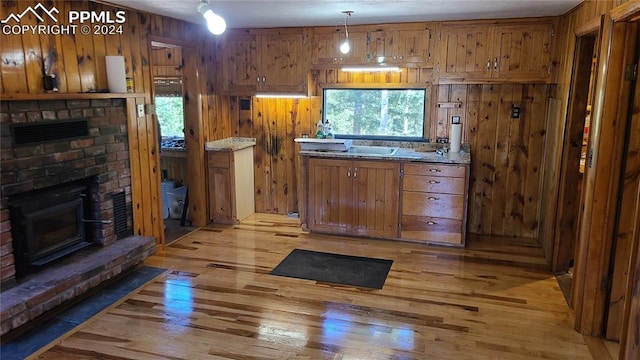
(176, 199)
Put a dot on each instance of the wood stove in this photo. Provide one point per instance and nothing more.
(48, 224)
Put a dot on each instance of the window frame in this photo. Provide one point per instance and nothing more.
(426, 125)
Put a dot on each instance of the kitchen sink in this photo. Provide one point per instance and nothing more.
(373, 150)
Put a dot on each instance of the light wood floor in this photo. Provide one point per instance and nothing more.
(493, 300)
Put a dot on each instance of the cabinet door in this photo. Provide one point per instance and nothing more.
(522, 53)
(219, 174)
(240, 64)
(282, 67)
(382, 49)
(327, 43)
(413, 47)
(376, 198)
(464, 53)
(330, 195)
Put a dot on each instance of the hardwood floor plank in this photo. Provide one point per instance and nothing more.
(495, 299)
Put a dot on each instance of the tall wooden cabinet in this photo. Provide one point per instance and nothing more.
(353, 197)
(504, 52)
(231, 185)
(265, 63)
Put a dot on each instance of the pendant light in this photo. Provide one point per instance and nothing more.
(215, 22)
(346, 47)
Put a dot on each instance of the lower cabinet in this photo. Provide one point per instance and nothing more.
(354, 197)
(434, 201)
(231, 186)
(423, 202)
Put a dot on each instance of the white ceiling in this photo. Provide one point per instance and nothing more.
(293, 13)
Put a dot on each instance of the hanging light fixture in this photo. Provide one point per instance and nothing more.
(346, 47)
(215, 22)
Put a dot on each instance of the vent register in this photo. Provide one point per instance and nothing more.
(47, 131)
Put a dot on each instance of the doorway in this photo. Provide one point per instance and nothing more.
(575, 158)
(168, 95)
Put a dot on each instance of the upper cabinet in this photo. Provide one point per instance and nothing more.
(410, 47)
(326, 49)
(402, 45)
(264, 63)
(495, 53)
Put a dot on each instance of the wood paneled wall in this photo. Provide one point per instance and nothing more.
(274, 123)
(78, 61)
(166, 61)
(507, 153)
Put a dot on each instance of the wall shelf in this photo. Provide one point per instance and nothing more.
(68, 96)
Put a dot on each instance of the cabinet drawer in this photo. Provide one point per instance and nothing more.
(435, 170)
(433, 205)
(434, 184)
(218, 159)
(430, 229)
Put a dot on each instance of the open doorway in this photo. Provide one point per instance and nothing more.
(167, 64)
(575, 159)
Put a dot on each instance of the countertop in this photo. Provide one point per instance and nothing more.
(230, 144)
(423, 154)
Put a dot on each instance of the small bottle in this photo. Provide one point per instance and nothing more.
(328, 130)
(320, 130)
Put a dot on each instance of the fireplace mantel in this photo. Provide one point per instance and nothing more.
(68, 96)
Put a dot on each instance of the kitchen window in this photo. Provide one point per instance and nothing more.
(376, 113)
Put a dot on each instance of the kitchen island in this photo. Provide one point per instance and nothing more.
(416, 193)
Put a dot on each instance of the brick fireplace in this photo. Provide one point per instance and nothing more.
(98, 159)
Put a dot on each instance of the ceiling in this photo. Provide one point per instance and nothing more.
(294, 13)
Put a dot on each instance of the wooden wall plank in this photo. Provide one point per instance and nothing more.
(12, 64)
(85, 55)
(72, 71)
(32, 52)
(513, 214)
(500, 158)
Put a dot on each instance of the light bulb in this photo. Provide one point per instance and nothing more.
(345, 47)
(215, 23)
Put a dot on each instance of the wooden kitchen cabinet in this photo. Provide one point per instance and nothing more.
(353, 197)
(264, 63)
(434, 201)
(404, 47)
(326, 50)
(231, 185)
(491, 53)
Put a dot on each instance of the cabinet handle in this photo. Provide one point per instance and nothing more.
(495, 64)
(488, 64)
(258, 79)
(433, 198)
(355, 173)
(264, 79)
(435, 170)
(431, 223)
(434, 182)
(348, 172)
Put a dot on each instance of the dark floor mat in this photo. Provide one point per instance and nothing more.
(334, 268)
